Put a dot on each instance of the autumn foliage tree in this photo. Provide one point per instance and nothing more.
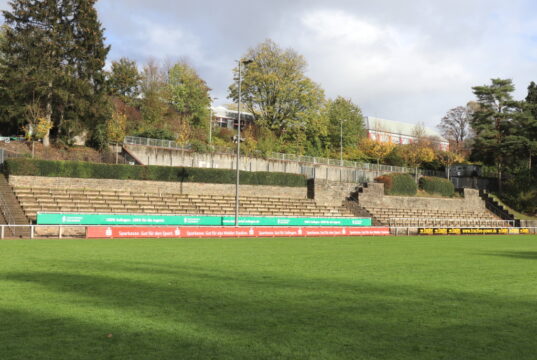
(416, 154)
(188, 94)
(448, 159)
(376, 149)
(281, 97)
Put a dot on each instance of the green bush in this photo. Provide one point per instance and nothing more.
(436, 185)
(87, 170)
(398, 184)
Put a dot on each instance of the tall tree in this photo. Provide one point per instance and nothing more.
(346, 123)
(528, 123)
(124, 80)
(493, 124)
(189, 94)
(153, 104)
(276, 90)
(454, 126)
(54, 55)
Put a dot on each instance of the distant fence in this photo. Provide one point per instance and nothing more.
(478, 183)
(6, 154)
(302, 159)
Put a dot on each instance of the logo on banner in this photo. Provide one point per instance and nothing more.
(299, 231)
(108, 232)
(177, 232)
(251, 232)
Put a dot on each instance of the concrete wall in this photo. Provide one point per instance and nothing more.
(330, 192)
(158, 187)
(373, 196)
(149, 155)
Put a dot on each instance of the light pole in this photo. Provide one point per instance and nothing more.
(341, 143)
(211, 121)
(241, 62)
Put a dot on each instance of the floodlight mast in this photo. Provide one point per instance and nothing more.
(211, 121)
(237, 201)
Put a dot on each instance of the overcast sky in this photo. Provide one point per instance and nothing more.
(402, 60)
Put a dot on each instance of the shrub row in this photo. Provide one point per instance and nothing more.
(398, 184)
(436, 185)
(87, 170)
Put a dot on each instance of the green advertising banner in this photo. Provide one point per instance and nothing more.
(130, 219)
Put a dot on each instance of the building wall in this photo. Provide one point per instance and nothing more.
(398, 132)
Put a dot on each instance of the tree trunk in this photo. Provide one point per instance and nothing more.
(48, 116)
(500, 185)
(46, 139)
(60, 124)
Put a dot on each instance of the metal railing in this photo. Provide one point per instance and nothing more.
(6, 154)
(6, 212)
(432, 222)
(313, 160)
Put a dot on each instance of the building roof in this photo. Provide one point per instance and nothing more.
(397, 127)
(222, 111)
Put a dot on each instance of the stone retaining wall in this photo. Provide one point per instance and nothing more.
(373, 196)
(330, 192)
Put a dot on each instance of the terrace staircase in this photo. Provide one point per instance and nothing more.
(11, 210)
(391, 215)
(352, 205)
(496, 208)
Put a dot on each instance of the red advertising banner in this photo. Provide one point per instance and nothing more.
(224, 232)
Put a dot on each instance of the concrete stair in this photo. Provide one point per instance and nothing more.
(16, 214)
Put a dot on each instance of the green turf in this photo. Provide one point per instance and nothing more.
(351, 298)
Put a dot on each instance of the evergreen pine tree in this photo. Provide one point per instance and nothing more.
(497, 140)
(53, 57)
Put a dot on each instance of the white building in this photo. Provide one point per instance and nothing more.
(226, 118)
(400, 133)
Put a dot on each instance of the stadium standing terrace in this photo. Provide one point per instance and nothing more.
(39, 199)
(80, 192)
(469, 210)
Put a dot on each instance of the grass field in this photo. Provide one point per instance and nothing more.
(349, 298)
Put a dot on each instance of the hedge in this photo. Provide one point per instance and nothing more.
(436, 185)
(87, 170)
(398, 184)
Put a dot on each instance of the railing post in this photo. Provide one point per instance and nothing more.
(31, 231)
